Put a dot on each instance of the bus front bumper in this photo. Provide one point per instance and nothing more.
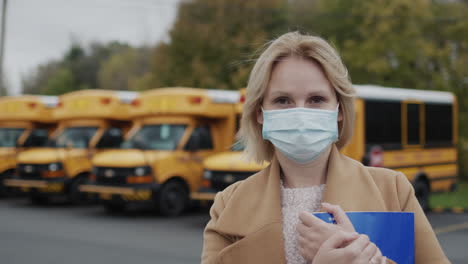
(45, 186)
(204, 194)
(130, 193)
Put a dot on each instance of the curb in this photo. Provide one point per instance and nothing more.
(455, 210)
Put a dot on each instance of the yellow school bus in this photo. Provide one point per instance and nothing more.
(225, 168)
(174, 129)
(89, 121)
(25, 122)
(412, 131)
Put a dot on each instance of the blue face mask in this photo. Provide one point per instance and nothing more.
(301, 134)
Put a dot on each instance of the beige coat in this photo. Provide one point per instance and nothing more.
(246, 221)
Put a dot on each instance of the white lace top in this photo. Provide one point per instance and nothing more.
(294, 201)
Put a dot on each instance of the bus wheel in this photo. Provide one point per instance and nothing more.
(6, 191)
(37, 199)
(172, 199)
(421, 190)
(114, 208)
(75, 196)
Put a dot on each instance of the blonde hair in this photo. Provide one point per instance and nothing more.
(304, 46)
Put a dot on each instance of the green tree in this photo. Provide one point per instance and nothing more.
(211, 43)
(35, 81)
(61, 82)
(82, 63)
(123, 70)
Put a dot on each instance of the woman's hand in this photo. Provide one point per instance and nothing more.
(350, 248)
(313, 231)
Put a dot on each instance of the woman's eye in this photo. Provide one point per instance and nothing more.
(282, 100)
(317, 99)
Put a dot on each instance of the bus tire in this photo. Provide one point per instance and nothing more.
(75, 196)
(6, 191)
(421, 190)
(172, 199)
(37, 199)
(114, 208)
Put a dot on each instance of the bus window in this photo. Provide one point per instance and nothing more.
(200, 139)
(439, 125)
(156, 137)
(74, 137)
(112, 138)
(412, 128)
(206, 142)
(37, 138)
(9, 136)
(383, 124)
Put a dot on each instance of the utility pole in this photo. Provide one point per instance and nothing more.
(2, 44)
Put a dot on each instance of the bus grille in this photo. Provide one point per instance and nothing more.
(222, 179)
(113, 176)
(31, 171)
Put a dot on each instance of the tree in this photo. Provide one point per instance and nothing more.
(123, 70)
(211, 41)
(36, 81)
(78, 69)
(61, 82)
(4, 86)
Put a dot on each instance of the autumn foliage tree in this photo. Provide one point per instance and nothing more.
(211, 42)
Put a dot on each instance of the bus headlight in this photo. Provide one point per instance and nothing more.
(207, 175)
(143, 170)
(56, 166)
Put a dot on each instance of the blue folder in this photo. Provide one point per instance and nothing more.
(392, 232)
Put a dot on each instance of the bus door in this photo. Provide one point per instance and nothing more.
(199, 146)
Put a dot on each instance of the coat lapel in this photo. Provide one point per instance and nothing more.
(254, 204)
(350, 185)
(253, 216)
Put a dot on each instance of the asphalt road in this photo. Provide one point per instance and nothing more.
(63, 234)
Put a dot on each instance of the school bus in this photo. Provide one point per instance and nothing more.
(222, 169)
(25, 122)
(411, 131)
(89, 121)
(174, 130)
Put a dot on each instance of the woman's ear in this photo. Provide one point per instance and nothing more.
(260, 116)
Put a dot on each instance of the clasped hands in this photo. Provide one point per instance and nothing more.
(321, 242)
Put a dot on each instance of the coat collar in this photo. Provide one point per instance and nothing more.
(256, 203)
(350, 185)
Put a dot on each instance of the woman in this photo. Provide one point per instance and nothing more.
(299, 112)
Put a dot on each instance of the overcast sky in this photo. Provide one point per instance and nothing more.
(38, 31)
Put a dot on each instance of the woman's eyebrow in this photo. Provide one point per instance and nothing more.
(279, 93)
(315, 93)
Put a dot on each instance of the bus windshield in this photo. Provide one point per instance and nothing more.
(37, 138)
(73, 137)
(9, 136)
(156, 137)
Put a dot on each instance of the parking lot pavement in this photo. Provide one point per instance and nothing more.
(63, 234)
(452, 232)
